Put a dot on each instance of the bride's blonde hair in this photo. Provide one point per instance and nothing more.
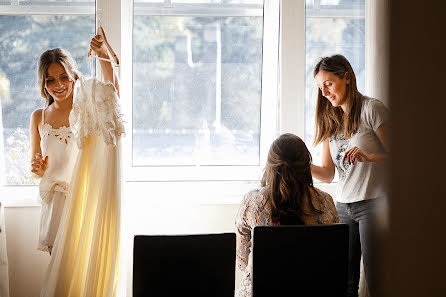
(56, 55)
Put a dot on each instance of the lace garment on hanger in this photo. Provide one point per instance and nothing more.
(85, 259)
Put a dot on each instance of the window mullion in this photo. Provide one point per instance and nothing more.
(126, 81)
(270, 77)
(292, 67)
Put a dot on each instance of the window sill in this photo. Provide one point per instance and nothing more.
(19, 196)
(158, 193)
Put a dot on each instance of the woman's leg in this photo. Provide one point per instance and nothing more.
(364, 213)
(354, 252)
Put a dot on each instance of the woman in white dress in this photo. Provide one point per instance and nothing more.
(53, 148)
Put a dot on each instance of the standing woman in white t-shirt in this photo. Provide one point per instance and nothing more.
(354, 131)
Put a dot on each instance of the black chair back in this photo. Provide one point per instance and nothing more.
(300, 260)
(184, 265)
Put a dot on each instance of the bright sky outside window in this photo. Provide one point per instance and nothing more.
(197, 86)
(28, 36)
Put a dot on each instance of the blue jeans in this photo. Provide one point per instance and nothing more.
(360, 216)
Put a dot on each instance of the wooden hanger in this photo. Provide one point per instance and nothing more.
(112, 52)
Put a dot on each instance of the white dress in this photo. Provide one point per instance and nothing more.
(86, 256)
(60, 147)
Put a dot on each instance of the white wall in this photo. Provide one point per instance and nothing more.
(154, 212)
(27, 265)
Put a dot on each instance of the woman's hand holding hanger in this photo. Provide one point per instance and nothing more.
(98, 46)
(101, 48)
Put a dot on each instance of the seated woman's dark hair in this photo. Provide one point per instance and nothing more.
(288, 180)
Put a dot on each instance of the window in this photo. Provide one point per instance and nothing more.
(197, 90)
(27, 29)
(218, 53)
(331, 27)
(203, 82)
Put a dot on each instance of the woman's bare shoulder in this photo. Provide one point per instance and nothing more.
(37, 113)
(36, 116)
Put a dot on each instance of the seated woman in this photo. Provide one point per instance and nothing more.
(286, 197)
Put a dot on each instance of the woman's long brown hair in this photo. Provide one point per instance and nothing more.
(288, 179)
(332, 121)
(56, 55)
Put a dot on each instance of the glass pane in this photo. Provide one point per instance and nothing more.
(342, 3)
(52, 1)
(325, 36)
(334, 4)
(197, 90)
(257, 2)
(28, 37)
(149, 1)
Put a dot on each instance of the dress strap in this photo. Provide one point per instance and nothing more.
(43, 117)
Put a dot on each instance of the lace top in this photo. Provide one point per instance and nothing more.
(255, 210)
(95, 111)
(60, 147)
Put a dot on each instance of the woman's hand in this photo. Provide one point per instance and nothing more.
(39, 164)
(357, 155)
(98, 46)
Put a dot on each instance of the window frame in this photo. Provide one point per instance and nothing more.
(47, 8)
(292, 65)
(26, 195)
(117, 15)
(269, 99)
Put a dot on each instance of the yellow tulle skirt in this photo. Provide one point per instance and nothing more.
(85, 259)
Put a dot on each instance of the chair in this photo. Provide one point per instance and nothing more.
(184, 265)
(300, 260)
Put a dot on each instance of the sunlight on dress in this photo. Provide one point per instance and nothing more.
(86, 254)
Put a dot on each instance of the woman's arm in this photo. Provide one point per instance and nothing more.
(357, 155)
(38, 163)
(97, 44)
(326, 171)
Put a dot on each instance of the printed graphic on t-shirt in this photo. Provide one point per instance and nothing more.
(343, 166)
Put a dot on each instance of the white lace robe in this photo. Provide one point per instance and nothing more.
(85, 259)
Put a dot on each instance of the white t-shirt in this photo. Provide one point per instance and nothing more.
(362, 180)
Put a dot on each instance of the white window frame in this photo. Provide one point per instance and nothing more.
(292, 66)
(116, 16)
(26, 195)
(231, 182)
(47, 8)
(269, 99)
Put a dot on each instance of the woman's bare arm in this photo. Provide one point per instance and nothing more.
(38, 163)
(97, 44)
(326, 171)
